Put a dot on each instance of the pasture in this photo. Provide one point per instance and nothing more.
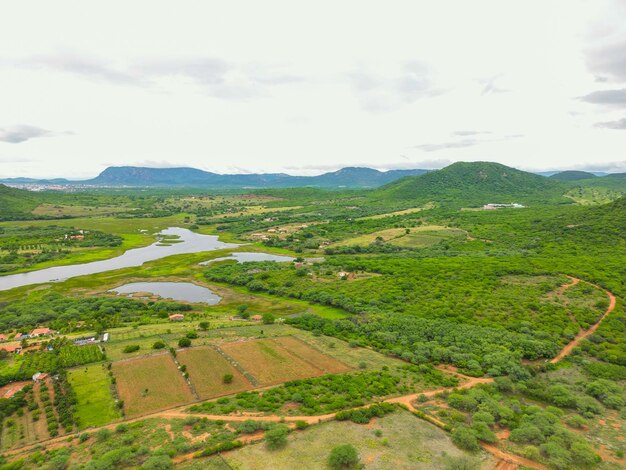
(150, 383)
(206, 368)
(95, 405)
(403, 442)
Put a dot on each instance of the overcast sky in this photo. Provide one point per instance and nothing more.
(305, 87)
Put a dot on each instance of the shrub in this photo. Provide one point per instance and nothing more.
(344, 456)
(465, 438)
(159, 345)
(228, 378)
(184, 342)
(131, 348)
(276, 437)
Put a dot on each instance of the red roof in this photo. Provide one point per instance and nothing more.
(41, 331)
(11, 347)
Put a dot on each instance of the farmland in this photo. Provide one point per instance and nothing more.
(269, 362)
(149, 384)
(207, 368)
(92, 385)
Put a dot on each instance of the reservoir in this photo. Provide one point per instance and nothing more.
(186, 242)
(242, 257)
(180, 291)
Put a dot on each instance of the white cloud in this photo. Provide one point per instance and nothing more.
(325, 85)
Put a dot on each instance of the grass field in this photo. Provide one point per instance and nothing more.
(417, 237)
(206, 368)
(269, 362)
(406, 443)
(391, 214)
(151, 383)
(95, 405)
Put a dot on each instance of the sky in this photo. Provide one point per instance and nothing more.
(309, 87)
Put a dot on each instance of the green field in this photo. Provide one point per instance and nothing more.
(95, 405)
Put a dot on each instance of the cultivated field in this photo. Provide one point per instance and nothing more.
(311, 355)
(150, 383)
(95, 406)
(269, 362)
(206, 368)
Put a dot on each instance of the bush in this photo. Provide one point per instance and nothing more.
(184, 342)
(344, 456)
(276, 437)
(192, 335)
(228, 378)
(131, 348)
(159, 345)
(465, 438)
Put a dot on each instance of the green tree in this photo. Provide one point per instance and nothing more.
(276, 437)
(184, 342)
(343, 456)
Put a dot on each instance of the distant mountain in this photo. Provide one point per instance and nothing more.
(572, 175)
(351, 177)
(464, 184)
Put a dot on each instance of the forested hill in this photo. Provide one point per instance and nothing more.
(16, 202)
(572, 175)
(473, 184)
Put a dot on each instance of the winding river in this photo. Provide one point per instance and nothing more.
(188, 242)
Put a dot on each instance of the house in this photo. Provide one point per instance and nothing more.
(12, 348)
(40, 377)
(37, 332)
(105, 337)
(177, 317)
(21, 336)
(256, 317)
(3, 338)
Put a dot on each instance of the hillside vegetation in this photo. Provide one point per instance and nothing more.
(572, 175)
(474, 184)
(16, 203)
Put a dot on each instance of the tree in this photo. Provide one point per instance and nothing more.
(343, 456)
(276, 437)
(204, 325)
(268, 318)
(184, 342)
(228, 378)
(158, 345)
(242, 311)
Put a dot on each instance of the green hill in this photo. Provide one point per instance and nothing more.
(572, 175)
(473, 184)
(16, 203)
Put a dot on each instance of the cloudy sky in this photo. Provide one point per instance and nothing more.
(306, 87)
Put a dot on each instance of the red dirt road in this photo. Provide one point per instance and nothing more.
(585, 333)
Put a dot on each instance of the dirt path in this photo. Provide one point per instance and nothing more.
(585, 333)
(512, 458)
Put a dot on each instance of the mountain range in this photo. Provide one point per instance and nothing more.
(351, 177)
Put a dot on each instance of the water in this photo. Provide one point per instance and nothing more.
(189, 242)
(243, 257)
(181, 291)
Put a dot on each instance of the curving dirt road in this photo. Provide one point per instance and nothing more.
(585, 333)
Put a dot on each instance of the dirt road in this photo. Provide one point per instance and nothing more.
(585, 333)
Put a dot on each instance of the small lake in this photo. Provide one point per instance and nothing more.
(179, 291)
(186, 242)
(243, 257)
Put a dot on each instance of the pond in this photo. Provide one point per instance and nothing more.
(186, 241)
(242, 257)
(179, 291)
